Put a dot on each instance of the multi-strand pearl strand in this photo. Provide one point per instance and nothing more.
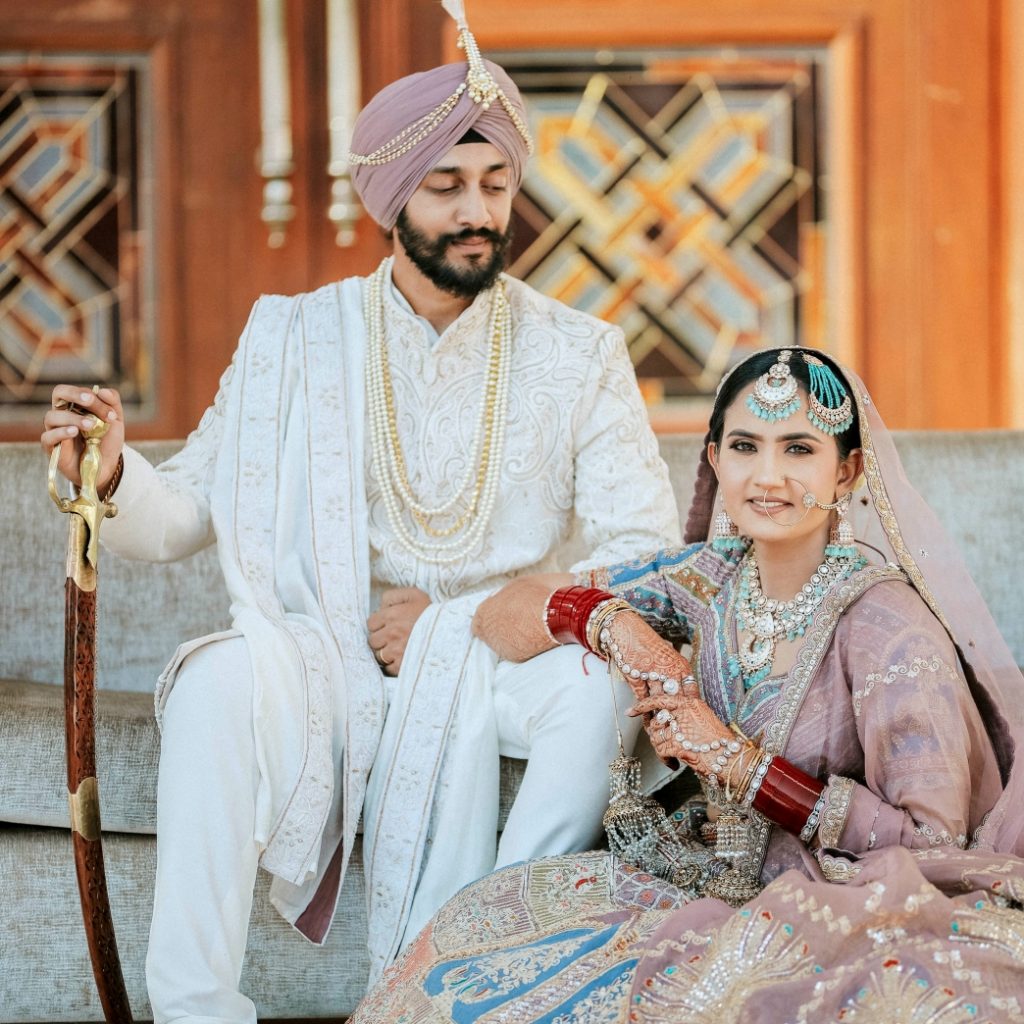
(484, 467)
(481, 449)
(411, 135)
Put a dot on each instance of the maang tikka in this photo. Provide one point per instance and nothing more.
(775, 393)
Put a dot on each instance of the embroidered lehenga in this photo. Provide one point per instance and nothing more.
(908, 904)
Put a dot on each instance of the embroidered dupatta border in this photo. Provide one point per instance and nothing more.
(332, 382)
(292, 846)
(876, 485)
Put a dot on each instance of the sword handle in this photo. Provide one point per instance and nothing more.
(88, 506)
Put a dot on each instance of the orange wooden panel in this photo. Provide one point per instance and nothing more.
(1010, 93)
(925, 156)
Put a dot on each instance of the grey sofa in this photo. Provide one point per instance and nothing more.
(974, 481)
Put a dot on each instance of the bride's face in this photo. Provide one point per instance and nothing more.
(766, 469)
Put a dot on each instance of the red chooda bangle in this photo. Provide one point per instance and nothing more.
(567, 611)
(787, 795)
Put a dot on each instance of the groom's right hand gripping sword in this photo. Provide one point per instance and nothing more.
(86, 511)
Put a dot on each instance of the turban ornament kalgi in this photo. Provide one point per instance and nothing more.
(409, 125)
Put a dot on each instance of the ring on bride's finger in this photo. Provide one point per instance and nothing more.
(671, 686)
(662, 716)
(60, 404)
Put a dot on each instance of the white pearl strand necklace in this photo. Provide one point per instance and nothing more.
(487, 445)
(481, 447)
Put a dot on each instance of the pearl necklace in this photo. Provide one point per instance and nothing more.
(477, 492)
(768, 620)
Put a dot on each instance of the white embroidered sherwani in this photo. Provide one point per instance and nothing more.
(280, 474)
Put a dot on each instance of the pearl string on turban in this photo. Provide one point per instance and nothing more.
(404, 131)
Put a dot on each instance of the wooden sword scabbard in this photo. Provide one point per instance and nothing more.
(83, 797)
(86, 511)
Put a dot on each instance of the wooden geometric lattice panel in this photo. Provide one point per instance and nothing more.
(75, 252)
(681, 197)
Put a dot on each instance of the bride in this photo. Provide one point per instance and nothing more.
(847, 715)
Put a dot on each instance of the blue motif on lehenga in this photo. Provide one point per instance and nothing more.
(475, 986)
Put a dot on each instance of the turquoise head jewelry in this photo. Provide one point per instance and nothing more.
(775, 394)
(830, 408)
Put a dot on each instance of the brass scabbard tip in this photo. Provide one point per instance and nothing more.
(85, 809)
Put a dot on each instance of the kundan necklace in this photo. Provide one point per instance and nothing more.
(766, 620)
(455, 527)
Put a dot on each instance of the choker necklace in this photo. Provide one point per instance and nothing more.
(465, 515)
(768, 620)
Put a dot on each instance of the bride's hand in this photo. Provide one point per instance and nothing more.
(681, 726)
(645, 659)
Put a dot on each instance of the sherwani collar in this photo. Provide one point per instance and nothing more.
(469, 324)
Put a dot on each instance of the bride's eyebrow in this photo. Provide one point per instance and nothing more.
(750, 435)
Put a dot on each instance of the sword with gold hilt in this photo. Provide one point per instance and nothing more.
(86, 511)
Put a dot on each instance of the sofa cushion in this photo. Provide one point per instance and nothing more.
(33, 786)
(46, 975)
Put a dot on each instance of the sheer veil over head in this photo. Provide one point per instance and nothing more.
(893, 522)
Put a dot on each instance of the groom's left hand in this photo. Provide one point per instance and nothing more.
(392, 624)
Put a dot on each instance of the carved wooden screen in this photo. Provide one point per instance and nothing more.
(76, 242)
(682, 195)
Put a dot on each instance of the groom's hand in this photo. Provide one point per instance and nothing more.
(391, 625)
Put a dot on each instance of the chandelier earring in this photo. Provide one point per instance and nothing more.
(841, 542)
(727, 536)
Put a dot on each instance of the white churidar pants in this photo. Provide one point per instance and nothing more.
(555, 711)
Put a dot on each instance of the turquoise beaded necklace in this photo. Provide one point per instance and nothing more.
(768, 620)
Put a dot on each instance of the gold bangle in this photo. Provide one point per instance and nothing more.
(744, 785)
(600, 617)
(728, 777)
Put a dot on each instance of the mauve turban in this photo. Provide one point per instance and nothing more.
(385, 188)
